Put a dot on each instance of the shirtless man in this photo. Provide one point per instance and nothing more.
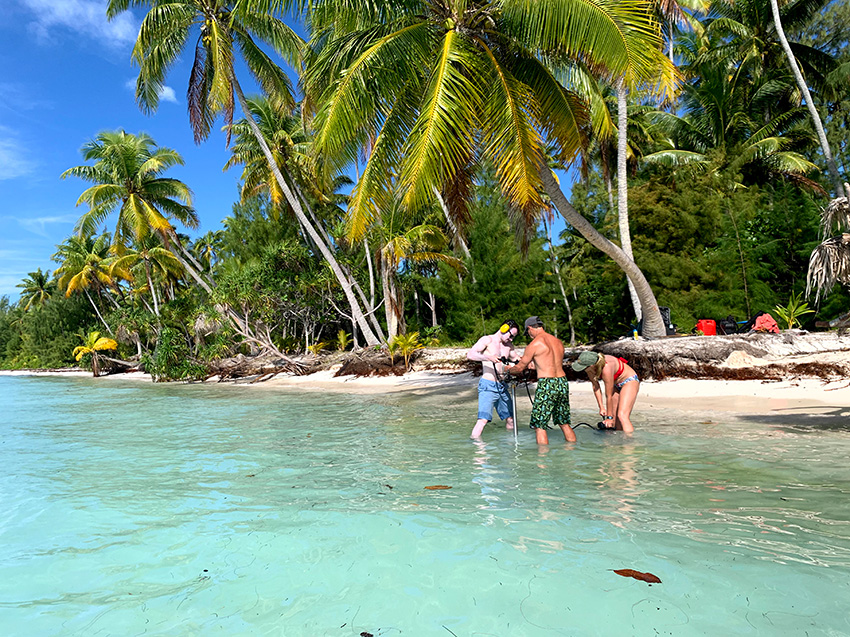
(552, 399)
(492, 392)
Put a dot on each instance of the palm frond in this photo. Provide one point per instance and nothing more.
(439, 143)
(829, 264)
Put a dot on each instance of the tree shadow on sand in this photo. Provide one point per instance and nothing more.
(797, 419)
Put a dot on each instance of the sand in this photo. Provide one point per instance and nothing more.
(741, 397)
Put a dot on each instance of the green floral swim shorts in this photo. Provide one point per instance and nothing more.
(552, 400)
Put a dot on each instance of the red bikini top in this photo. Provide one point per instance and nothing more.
(621, 365)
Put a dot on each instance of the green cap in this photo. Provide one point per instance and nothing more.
(585, 360)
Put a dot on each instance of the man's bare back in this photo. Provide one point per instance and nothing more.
(546, 354)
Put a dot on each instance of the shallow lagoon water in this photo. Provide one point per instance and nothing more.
(138, 509)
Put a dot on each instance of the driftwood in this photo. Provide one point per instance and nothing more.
(257, 367)
(116, 365)
(737, 356)
(371, 362)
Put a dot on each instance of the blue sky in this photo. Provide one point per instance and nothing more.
(66, 75)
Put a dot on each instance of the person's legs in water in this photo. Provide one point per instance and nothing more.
(612, 406)
(478, 429)
(561, 411)
(505, 406)
(551, 399)
(627, 397)
(492, 394)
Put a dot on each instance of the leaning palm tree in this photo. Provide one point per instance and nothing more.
(93, 344)
(842, 190)
(84, 265)
(830, 261)
(221, 30)
(290, 145)
(127, 176)
(36, 289)
(438, 85)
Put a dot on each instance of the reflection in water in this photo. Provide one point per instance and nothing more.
(487, 477)
(619, 483)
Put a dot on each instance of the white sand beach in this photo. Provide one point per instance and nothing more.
(732, 397)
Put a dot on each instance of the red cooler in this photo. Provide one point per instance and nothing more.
(707, 327)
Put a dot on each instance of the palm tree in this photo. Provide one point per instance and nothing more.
(290, 145)
(94, 343)
(36, 289)
(84, 264)
(841, 189)
(830, 261)
(730, 123)
(207, 248)
(127, 173)
(401, 239)
(220, 29)
(438, 85)
(152, 258)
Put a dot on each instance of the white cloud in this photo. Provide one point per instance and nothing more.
(87, 17)
(38, 225)
(166, 94)
(14, 162)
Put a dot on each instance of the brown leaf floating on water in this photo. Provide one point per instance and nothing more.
(437, 487)
(644, 577)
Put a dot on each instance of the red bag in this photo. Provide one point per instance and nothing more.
(765, 323)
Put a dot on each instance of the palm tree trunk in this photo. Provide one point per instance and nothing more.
(167, 240)
(623, 184)
(356, 310)
(386, 273)
(371, 272)
(370, 307)
(548, 228)
(841, 189)
(186, 253)
(455, 232)
(97, 311)
(653, 324)
(150, 285)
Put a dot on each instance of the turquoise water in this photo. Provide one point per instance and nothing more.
(139, 509)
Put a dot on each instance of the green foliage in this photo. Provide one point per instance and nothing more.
(317, 348)
(431, 336)
(171, 359)
(507, 282)
(392, 348)
(406, 345)
(343, 340)
(792, 312)
(45, 336)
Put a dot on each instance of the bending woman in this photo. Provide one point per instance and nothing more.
(621, 387)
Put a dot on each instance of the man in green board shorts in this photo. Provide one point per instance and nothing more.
(552, 399)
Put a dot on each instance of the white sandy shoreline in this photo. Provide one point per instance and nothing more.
(743, 397)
